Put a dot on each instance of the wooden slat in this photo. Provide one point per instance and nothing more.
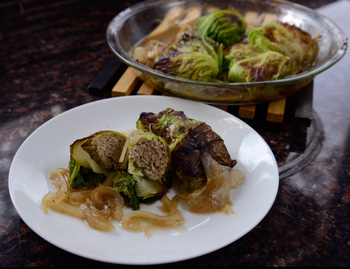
(275, 110)
(172, 24)
(251, 18)
(247, 111)
(166, 94)
(192, 14)
(269, 17)
(145, 89)
(170, 18)
(255, 20)
(125, 84)
(223, 107)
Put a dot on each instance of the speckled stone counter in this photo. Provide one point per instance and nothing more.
(52, 51)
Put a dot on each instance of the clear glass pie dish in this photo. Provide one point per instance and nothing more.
(130, 27)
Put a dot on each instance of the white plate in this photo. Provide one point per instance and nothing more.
(47, 148)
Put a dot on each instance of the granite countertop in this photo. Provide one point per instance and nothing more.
(50, 54)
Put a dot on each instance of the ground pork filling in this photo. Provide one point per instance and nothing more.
(107, 149)
(151, 157)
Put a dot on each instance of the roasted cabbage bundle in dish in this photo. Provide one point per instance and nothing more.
(286, 39)
(250, 64)
(201, 52)
(188, 139)
(192, 57)
(223, 26)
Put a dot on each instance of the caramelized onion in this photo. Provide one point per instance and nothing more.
(215, 195)
(142, 221)
(95, 218)
(97, 206)
(59, 179)
(108, 200)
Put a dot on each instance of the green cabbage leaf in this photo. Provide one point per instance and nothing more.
(195, 58)
(223, 26)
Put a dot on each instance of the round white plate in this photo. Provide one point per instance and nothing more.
(47, 148)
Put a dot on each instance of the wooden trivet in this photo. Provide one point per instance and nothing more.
(296, 109)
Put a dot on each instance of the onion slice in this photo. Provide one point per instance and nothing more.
(143, 221)
(215, 195)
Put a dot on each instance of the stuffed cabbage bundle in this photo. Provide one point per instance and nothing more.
(192, 57)
(286, 39)
(250, 64)
(146, 178)
(135, 165)
(93, 158)
(171, 125)
(223, 26)
(188, 139)
(149, 157)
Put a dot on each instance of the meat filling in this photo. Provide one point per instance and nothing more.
(151, 157)
(106, 150)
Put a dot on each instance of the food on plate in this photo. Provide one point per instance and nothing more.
(97, 206)
(220, 46)
(112, 170)
(223, 26)
(192, 57)
(92, 158)
(148, 157)
(216, 191)
(188, 140)
(146, 177)
(287, 39)
(170, 124)
(144, 221)
(248, 63)
(136, 163)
